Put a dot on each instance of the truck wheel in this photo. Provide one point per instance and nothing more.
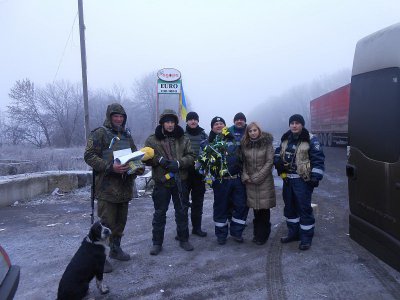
(329, 140)
(323, 139)
(319, 136)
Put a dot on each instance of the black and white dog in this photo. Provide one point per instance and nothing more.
(88, 262)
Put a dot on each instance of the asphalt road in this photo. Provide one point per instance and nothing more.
(42, 235)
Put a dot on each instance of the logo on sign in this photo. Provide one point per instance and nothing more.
(169, 74)
(169, 88)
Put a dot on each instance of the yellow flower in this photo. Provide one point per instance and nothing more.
(225, 131)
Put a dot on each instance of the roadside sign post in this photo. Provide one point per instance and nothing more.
(169, 86)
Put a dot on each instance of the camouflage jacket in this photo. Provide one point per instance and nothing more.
(181, 151)
(109, 186)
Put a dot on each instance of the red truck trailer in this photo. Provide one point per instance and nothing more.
(329, 116)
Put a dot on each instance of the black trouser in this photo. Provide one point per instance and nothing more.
(262, 225)
(196, 188)
(161, 198)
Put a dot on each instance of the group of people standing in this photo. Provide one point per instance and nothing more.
(248, 182)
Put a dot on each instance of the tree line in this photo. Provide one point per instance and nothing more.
(53, 116)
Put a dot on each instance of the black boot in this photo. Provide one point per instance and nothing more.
(116, 252)
(293, 233)
(306, 238)
(185, 245)
(196, 223)
(155, 250)
(263, 226)
(304, 246)
(199, 232)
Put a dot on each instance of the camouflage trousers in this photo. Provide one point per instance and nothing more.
(114, 215)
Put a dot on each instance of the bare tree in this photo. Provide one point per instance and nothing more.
(13, 132)
(117, 94)
(142, 107)
(145, 97)
(99, 100)
(26, 110)
(63, 103)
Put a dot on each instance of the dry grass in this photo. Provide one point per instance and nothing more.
(47, 159)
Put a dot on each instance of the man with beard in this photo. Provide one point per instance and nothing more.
(113, 186)
(173, 156)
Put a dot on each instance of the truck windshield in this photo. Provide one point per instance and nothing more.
(374, 115)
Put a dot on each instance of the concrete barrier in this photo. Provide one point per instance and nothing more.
(13, 167)
(24, 187)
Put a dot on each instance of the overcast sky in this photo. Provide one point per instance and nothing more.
(232, 54)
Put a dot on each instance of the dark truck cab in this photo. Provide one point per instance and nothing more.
(373, 167)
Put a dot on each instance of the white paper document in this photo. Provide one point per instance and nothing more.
(124, 158)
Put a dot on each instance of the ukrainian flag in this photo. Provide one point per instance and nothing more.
(182, 104)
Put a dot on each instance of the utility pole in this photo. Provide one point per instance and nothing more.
(84, 67)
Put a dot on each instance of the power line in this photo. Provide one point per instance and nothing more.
(65, 47)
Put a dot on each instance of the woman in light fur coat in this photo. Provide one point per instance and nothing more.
(258, 156)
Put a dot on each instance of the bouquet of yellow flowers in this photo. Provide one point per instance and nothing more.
(212, 160)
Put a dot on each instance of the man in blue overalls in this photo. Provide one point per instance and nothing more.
(299, 160)
(229, 191)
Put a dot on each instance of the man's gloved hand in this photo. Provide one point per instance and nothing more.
(280, 167)
(164, 162)
(173, 166)
(139, 171)
(135, 167)
(314, 182)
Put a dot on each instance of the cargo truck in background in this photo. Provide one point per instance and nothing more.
(329, 115)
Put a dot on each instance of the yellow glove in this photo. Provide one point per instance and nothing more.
(284, 177)
(148, 153)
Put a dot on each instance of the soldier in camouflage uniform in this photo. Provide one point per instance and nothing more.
(113, 186)
(173, 156)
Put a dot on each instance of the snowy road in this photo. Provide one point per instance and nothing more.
(41, 236)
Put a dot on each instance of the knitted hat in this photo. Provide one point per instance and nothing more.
(239, 116)
(192, 116)
(217, 119)
(298, 118)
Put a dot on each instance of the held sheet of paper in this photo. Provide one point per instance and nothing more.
(125, 155)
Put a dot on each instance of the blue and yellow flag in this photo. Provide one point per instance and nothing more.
(182, 104)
